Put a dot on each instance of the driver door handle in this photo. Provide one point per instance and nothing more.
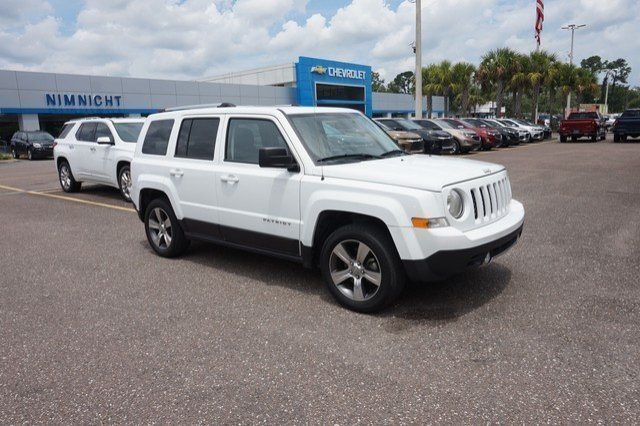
(176, 172)
(229, 179)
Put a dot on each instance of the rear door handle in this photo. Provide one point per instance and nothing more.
(229, 179)
(176, 172)
(93, 149)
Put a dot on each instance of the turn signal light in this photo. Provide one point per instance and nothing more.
(419, 222)
(424, 223)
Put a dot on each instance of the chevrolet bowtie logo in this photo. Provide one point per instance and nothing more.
(319, 69)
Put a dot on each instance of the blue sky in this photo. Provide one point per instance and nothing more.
(191, 39)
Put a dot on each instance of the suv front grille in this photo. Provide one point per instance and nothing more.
(491, 201)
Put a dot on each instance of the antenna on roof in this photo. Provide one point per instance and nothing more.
(199, 106)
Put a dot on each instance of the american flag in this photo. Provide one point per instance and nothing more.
(539, 19)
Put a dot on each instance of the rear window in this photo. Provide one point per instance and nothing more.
(583, 116)
(157, 137)
(65, 130)
(197, 138)
(631, 113)
(128, 132)
(87, 132)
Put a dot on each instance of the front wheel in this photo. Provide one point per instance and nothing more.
(124, 182)
(14, 152)
(164, 233)
(616, 138)
(563, 138)
(594, 137)
(67, 181)
(30, 154)
(456, 147)
(361, 268)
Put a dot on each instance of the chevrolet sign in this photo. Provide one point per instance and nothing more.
(339, 72)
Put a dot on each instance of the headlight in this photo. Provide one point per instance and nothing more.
(37, 145)
(455, 204)
(469, 134)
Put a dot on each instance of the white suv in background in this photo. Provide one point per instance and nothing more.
(97, 150)
(324, 187)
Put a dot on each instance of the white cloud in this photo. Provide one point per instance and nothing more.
(196, 38)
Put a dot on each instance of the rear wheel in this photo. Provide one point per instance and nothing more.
(616, 138)
(67, 182)
(164, 233)
(361, 267)
(563, 138)
(594, 137)
(124, 182)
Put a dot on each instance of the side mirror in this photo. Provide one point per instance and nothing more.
(277, 158)
(104, 140)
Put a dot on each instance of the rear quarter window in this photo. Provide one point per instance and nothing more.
(65, 130)
(157, 138)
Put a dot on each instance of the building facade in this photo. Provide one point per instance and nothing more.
(35, 100)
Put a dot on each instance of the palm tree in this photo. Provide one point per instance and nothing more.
(495, 72)
(444, 81)
(430, 85)
(462, 83)
(542, 69)
(586, 83)
(519, 81)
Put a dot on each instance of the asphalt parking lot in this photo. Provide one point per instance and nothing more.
(95, 328)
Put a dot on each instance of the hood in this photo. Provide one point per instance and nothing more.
(401, 134)
(441, 134)
(430, 173)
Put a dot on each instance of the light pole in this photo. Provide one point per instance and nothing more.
(606, 91)
(418, 52)
(571, 27)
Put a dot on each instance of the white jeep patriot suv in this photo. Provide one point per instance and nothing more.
(97, 150)
(322, 186)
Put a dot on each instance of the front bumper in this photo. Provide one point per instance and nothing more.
(446, 263)
(42, 152)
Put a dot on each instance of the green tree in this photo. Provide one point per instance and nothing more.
(430, 85)
(443, 81)
(542, 69)
(402, 83)
(377, 83)
(495, 72)
(519, 81)
(463, 73)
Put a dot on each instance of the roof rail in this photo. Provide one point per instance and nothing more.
(200, 106)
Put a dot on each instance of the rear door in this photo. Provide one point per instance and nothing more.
(193, 174)
(259, 207)
(82, 150)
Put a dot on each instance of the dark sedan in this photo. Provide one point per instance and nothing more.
(33, 144)
(435, 141)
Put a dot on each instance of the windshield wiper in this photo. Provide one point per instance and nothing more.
(344, 156)
(393, 151)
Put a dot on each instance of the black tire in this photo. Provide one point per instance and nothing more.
(616, 138)
(563, 138)
(166, 239)
(14, 152)
(574, 138)
(623, 138)
(594, 137)
(124, 182)
(30, 154)
(379, 261)
(456, 147)
(66, 179)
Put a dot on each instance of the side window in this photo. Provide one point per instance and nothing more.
(157, 137)
(246, 136)
(86, 132)
(197, 138)
(65, 131)
(103, 130)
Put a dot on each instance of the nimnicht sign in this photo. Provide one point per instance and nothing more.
(82, 100)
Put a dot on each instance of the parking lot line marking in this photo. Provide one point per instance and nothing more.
(60, 197)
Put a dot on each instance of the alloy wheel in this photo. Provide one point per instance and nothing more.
(125, 184)
(160, 228)
(65, 177)
(355, 270)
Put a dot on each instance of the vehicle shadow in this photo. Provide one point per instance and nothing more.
(102, 191)
(420, 303)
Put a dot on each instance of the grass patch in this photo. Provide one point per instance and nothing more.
(6, 156)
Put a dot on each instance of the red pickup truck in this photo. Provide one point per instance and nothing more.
(580, 124)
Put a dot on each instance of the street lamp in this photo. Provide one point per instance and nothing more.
(571, 27)
(606, 92)
(418, 51)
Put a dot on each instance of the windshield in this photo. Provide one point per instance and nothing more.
(348, 135)
(40, 137)
(511, 123)
(128, 132)
(524, 122)
(446, 125)
(496, 123)
(408, 124)
(630, 113)
(475, 122)
(429, 125)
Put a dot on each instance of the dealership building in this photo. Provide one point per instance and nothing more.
(35, 100)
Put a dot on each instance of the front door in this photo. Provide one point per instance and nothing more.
(259, 207)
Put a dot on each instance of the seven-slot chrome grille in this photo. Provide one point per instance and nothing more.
(491, 200)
